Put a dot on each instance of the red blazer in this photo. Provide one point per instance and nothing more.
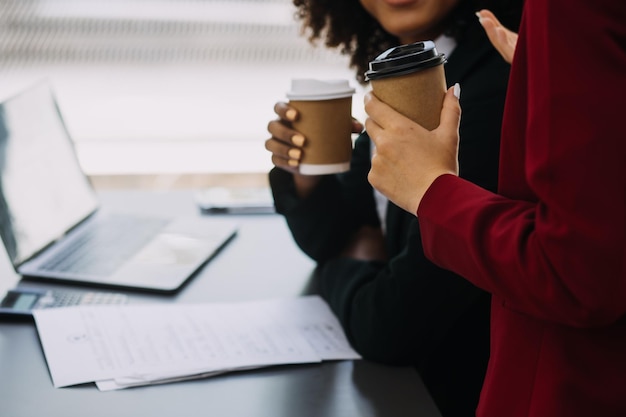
(550, 246)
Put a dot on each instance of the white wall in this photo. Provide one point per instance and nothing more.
(154, 86)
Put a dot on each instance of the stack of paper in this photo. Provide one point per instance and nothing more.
(123, 346)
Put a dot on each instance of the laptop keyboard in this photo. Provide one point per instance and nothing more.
(101, 250)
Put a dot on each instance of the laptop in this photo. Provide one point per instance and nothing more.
(54, 228)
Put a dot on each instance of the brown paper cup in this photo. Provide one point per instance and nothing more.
(418, 96)
(410, 78)
(327, 127)
(325, 120)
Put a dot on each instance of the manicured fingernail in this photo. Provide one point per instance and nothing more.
(480, 19)
(457, 91)
(291, 114)
(294, 153)
(293, 163)
(297, 140)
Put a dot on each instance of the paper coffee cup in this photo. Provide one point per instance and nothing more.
(410, 78)
(325, 120)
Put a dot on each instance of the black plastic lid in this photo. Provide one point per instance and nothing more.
(404, 59)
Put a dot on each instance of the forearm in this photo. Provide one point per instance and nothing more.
(321, 224)
(324, 221)
(400, 311)
(565, 273)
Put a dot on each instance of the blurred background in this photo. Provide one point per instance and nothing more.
(164, 93)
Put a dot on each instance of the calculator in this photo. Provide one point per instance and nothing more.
(21, 302)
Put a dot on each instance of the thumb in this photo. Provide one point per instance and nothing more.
(451, 112)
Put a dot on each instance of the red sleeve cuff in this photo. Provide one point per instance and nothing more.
(438, 194)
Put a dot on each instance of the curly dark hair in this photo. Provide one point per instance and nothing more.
(348, 27)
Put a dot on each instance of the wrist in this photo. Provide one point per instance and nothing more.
(305, 184)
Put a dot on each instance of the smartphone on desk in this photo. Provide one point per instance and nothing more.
(20, 302)
(235, 200)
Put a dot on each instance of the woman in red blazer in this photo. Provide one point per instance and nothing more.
(550, 246)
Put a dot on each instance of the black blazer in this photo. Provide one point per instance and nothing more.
(409, 311)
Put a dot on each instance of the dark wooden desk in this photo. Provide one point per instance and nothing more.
(261, 262)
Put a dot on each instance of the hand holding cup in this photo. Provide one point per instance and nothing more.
(415, 140)
(286, 143)
(324, 109)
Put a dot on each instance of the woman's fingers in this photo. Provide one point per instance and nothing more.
(503, 39)
(285, 112)
(357, 126)
(285, 143)
(281, 131)
(284, 155)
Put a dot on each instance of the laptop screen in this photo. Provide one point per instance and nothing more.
(43, 191)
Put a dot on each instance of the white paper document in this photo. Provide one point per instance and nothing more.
(120, 346)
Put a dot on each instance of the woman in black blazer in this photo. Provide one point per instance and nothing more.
(395, 305)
